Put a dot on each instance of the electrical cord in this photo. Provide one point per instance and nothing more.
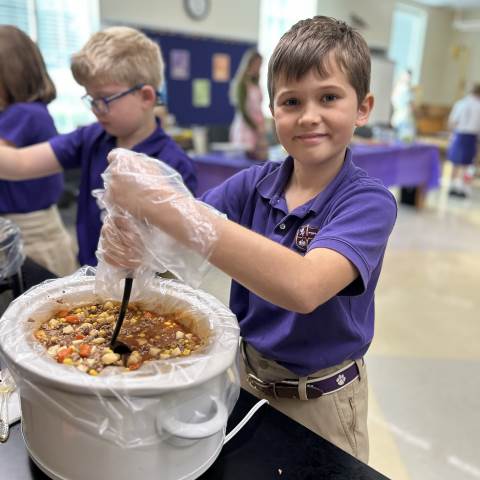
(244, 420)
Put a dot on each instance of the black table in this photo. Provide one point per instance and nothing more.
(30, 274)
(270, 445)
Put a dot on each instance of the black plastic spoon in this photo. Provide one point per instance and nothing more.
(119, 347)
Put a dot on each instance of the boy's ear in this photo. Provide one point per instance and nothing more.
(364, 110)
(148, 94)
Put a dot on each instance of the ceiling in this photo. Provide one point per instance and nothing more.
(456, 4)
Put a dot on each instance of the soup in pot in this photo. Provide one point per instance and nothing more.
(81, 336)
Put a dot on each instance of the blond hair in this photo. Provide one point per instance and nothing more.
(23, 75)
(119, 55)
(308, 45)
(238, 80)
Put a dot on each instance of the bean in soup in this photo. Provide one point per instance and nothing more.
(81, 336)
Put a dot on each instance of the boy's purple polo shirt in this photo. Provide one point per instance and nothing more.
(354, 215)
(24, 124)
(87, 148)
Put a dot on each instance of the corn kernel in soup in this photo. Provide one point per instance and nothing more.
(80, 336)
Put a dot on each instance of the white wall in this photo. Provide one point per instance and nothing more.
(377, 15)
(239, 19)
(467, 47)
(235, 19)
(436, 85)
(452, 58)
(441, 73)
(378, 18)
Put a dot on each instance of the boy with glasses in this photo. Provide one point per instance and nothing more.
(121, 70)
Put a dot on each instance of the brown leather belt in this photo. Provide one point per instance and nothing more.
(314, 387)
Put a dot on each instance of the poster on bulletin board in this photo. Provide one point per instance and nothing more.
(221, 67)
(213, 62)
(201, 93)
(179, 64)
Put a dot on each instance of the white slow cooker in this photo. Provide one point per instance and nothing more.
(164, 421)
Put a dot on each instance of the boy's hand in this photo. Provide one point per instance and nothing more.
(138, 184)
(158, 216)
(121, 244)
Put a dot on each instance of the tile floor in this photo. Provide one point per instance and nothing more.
(424, 363)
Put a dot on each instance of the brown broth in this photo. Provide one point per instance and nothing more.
(81, 336)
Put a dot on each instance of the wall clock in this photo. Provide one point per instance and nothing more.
(197, 9)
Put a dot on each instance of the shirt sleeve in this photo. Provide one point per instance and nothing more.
(17, 127)
(358, 229)
(453, 116)
(67, 148)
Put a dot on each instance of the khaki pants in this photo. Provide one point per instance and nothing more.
(46, 240)
(339, 417)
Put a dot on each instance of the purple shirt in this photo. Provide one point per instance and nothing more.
(87, 148)
(354, 216)
(24, 124)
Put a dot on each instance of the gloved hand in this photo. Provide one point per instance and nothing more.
(153, 223)
(121, 242)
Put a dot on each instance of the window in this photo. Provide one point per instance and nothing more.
(276, 17)
(60, 28)
(407, 39)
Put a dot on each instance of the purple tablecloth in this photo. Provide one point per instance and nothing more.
(215, 167)
(402, 165)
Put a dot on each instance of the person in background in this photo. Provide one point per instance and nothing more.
(403, 118)
(304, 240)
(464, 120)
(25, 91)
(248, 126)
(121, 70)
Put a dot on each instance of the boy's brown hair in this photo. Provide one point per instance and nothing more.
(308, 44)
(23, 74)
(119, 55)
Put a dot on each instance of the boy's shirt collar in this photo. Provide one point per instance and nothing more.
(272, 187)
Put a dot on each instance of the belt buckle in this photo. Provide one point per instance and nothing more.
(270, 388)
(267, 388)
(256, 382)
(313, 392)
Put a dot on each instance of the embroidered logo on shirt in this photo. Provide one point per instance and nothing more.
(341, 379)
(305, 234)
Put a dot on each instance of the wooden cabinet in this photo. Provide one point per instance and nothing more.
(431, 119)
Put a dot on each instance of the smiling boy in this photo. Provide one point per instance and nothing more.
(121, 70)
(304, 240)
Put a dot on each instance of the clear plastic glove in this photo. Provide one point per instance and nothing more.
(153, 223)
(121, 242)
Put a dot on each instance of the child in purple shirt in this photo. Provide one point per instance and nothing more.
(25, 91)
(304, 240)
(121, 70)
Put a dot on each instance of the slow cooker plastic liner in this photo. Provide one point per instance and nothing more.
(12, 255)
(116, 399)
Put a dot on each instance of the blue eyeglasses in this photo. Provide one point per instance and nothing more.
(100, 105)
